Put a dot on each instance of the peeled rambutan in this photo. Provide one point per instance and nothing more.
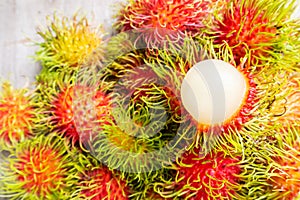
(252, 29)
(68, 43)
(252, 116)
(157, 20)
(17, 114)
(243, 113)
(41, 168)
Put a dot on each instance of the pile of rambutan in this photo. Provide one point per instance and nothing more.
(107, 118)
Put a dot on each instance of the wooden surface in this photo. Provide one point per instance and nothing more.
(19, 20)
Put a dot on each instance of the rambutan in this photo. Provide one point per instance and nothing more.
(136, 141)
(172, 66)
(120, 45)
(97, 182)
(107, 187)
(73, 112)
(159, 20)
(213, 176)
(138, 129)
(252, 29)
(68, 43)
(17, 114)
(41, 168)
(287, 55)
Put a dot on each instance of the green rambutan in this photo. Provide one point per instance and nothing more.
(269, 162)
(18, 115)
(139, 129)
(257, 29)
(97, 182)
(69, 43)
(40, 168)
(135, 142)
(159, 20)
(120, 45)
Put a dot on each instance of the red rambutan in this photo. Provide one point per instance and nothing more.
(40, 168)
(213, 176)
(17, 114)
(246, 27)
(73, 113)
(99, 183)
(157, 20)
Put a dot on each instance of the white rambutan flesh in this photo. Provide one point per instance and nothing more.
(213, 91)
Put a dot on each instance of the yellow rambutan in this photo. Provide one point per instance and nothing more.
(68, 43)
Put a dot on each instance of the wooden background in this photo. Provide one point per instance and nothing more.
(19, 20)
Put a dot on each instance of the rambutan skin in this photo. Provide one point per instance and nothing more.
(155, 20)
(40, 168)
(17, 114)
(207, 177)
